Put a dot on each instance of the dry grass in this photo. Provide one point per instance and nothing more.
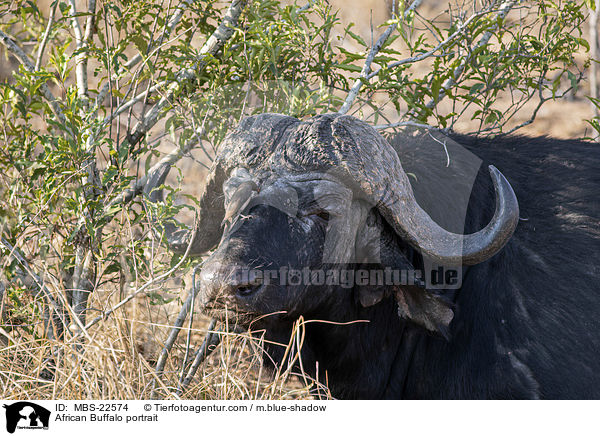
(116, 360)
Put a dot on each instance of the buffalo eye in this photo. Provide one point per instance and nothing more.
(320, 214)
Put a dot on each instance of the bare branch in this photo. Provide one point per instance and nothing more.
(131, 102)
(81, 58)
(82, 40)
(42, 47)
(183, 313)
(353, 93)
(211, 340)
(89, 23)
(405, 124)
(24, 59)
(188, 339)
(366, 69)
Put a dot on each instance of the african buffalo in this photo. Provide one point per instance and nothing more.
(515, 310)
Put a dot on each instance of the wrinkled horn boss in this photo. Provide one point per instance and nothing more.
(353, 152)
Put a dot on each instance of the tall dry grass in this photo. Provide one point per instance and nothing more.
(116, 359)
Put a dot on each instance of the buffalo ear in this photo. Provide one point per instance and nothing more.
(415, 304)
(418, 305)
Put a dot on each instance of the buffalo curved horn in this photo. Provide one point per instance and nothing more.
(374, 166)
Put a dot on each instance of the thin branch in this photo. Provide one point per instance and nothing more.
(405, 124)
(443, 144)
(353, 93)
(24, 59)
(185, 309)
(42, 48)
(542, 100)
(131, 102)
(188, 339)
(211, 340)
(106, 87)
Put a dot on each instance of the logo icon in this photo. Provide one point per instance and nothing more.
(26, 415)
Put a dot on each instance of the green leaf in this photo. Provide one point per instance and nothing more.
(140, 43)
(584, 43)
(436, 85)
(350, 67)
(357, 38)
(573, 79)
(476, 88)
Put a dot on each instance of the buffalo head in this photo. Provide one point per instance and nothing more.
(295, 207)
